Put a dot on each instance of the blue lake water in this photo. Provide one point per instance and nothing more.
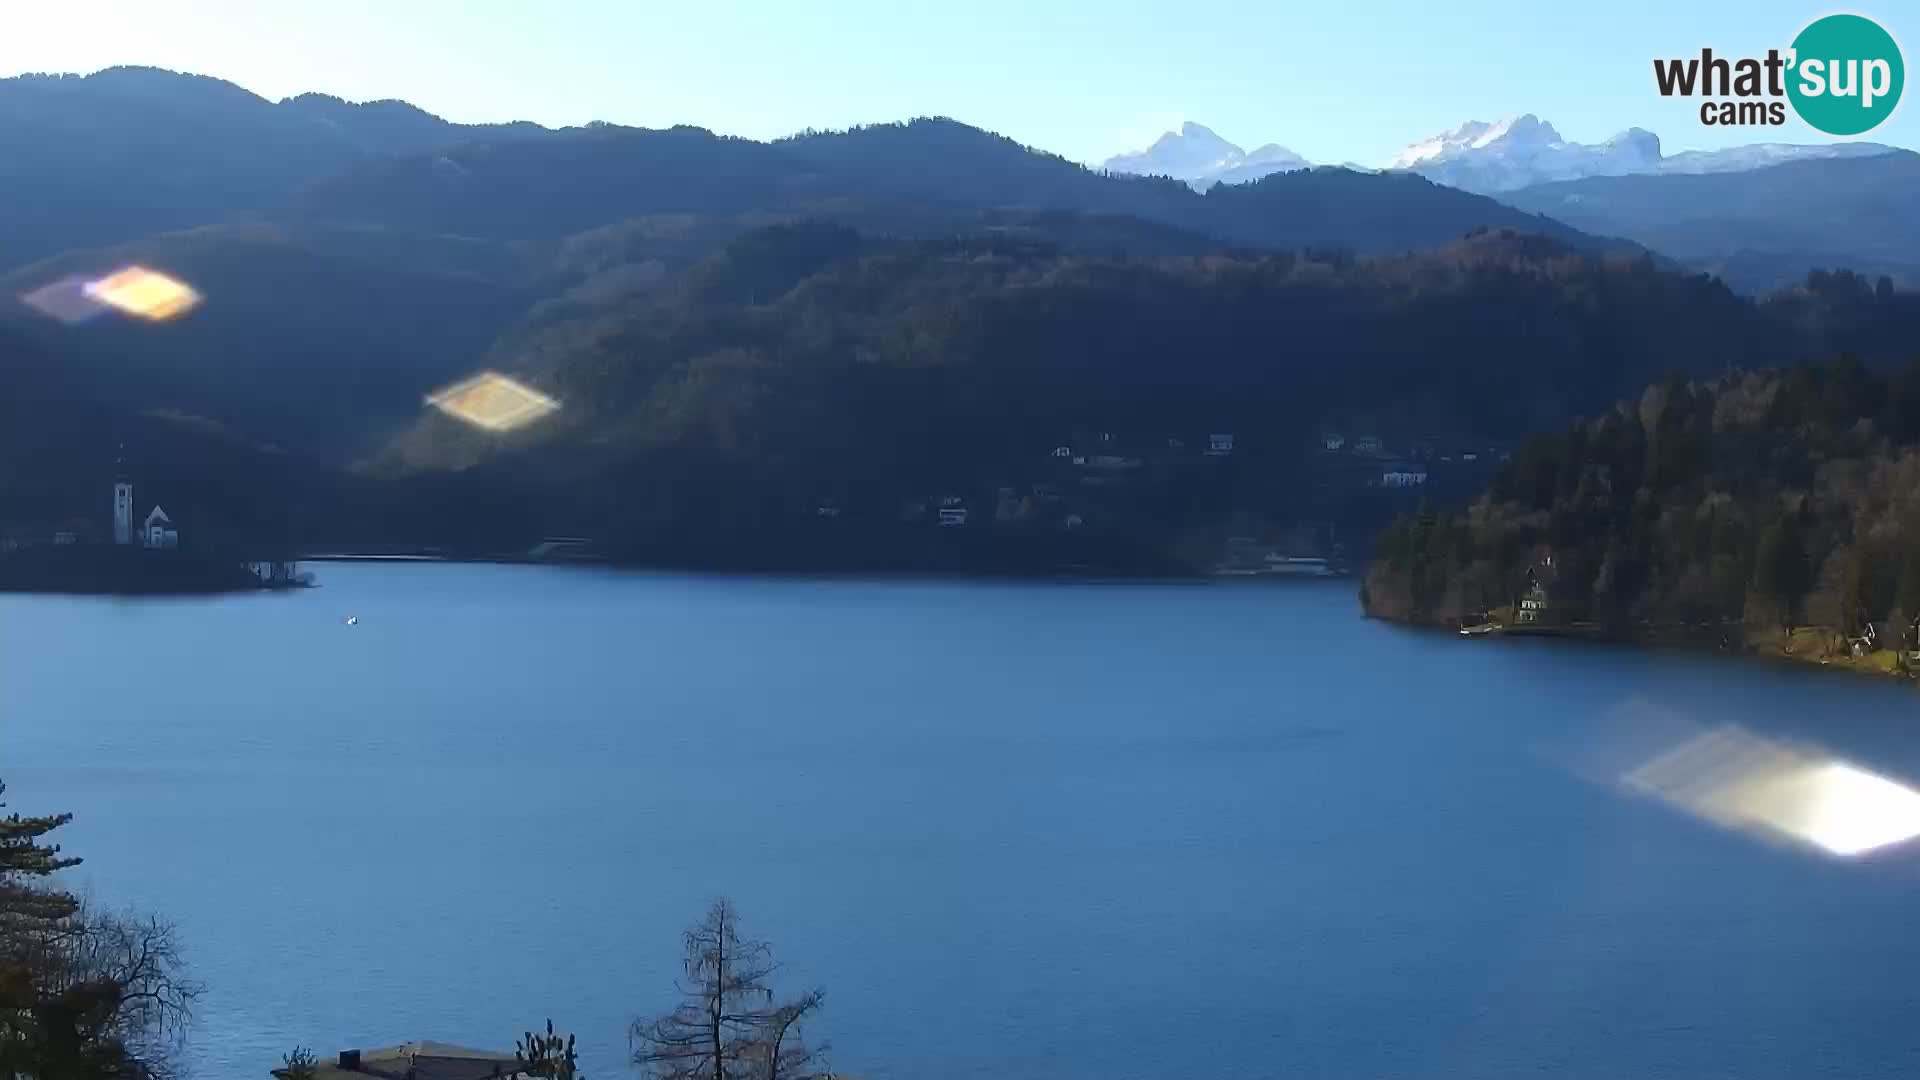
(1061, 831)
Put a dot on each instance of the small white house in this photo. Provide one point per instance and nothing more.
(951, 516)
(157, 532)
(1063, 451)
(1332, 440)
(1219, 444)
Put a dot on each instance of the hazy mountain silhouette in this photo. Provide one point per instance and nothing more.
(1762, 227)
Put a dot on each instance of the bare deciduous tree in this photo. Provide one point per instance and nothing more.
(727, 1026)
(119, 983)
(84, 993)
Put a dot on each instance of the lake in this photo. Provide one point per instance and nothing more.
(1024, 830)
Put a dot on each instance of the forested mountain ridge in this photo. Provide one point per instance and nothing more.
(965, 342)
(1730, 509)
(353, 257)
(811, 361)
(1758, 228)
(322, 340)
(740, 331)
(62, 448)
(934, 167)
(108, 157)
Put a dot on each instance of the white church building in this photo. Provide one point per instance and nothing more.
(157, 531)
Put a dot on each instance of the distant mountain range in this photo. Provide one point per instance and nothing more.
(355, 257)
(1760, 216)
(739, 329)
(1478, 156)
(1201, 158)
(1758, 228)
(1521, 151)
(126, 151)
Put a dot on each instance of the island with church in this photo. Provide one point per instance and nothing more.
(136, 554)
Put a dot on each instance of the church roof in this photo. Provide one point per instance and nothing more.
(157, 516)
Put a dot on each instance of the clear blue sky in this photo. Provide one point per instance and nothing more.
(1350, 80)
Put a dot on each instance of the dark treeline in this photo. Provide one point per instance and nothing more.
(528, 189)
(1768, 499)
(809, 361)
(710, 399)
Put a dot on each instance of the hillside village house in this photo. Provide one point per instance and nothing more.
(1536, 601)
(1533, 603)
(1404, 474)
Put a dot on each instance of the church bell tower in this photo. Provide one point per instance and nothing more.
(122, 501)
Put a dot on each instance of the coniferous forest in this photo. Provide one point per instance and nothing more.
(1730, 510)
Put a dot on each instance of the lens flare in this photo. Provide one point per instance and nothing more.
(493, 402)
(1737, 779)
(65, 300)
(144, 293)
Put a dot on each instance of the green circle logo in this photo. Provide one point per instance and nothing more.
(1846, 76)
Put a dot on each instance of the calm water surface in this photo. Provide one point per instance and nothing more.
(1060, 831)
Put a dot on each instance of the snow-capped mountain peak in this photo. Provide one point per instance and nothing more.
(1201, 158)
(1482, 156)
(1518, 151)
(1524, 131)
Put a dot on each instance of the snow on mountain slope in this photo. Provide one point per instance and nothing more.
(1201, 158)
(1520, 151)
(1762, 155)
(1484, 157)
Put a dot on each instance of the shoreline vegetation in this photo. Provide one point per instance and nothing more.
(111, 570)
(1801, 646)
(1773, 514)
(159, 575)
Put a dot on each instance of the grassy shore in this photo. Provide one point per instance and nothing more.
(1815, 646)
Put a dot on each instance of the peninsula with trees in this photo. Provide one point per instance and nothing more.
(1774, 512)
